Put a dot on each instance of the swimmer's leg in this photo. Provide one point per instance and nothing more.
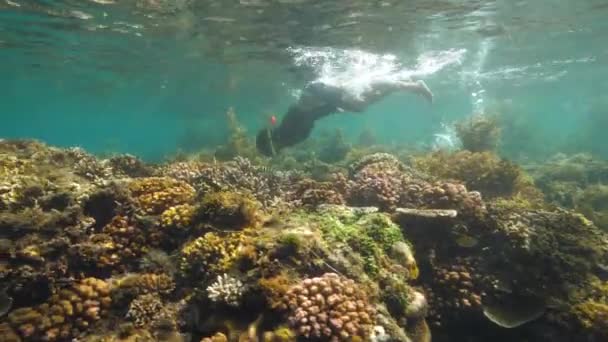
(418, 87)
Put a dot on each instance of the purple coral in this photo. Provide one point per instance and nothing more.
(331, 308)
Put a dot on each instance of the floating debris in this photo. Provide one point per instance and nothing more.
(466, 241)
(6, 302)
(514, 311)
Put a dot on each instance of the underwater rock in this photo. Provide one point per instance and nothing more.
(403, 254)
(512, 311)
(428, 213)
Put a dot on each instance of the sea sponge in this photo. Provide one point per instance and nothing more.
(67, 312)
(228, 209)
(331, 308)
(153, 195)
(210, 254)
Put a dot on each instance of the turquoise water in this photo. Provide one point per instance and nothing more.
(150, 77)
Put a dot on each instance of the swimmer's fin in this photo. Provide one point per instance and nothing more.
(425, 91)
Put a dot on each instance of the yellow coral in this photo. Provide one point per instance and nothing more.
(179, 216)
(210, 254)
(157, 194)
(146, 283)
(229, 209)
(592, 314)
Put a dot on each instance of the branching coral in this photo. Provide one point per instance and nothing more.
(148, 310)
(242, 176)
(226, 289)
(330, 307)
(187, 171)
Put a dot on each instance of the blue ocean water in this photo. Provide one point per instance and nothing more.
(151, 77)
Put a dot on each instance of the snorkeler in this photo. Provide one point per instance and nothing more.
(319, 100)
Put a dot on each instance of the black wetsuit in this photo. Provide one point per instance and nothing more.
(318, 100)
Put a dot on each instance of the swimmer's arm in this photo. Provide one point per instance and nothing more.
(383, 88)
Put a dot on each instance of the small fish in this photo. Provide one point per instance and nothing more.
(273, 120)
(466, 241)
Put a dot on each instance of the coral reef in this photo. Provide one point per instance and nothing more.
(330, 307)
(367, 248)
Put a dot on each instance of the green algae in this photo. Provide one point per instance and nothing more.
(370, 235)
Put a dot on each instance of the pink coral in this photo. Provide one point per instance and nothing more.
(331, 308)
